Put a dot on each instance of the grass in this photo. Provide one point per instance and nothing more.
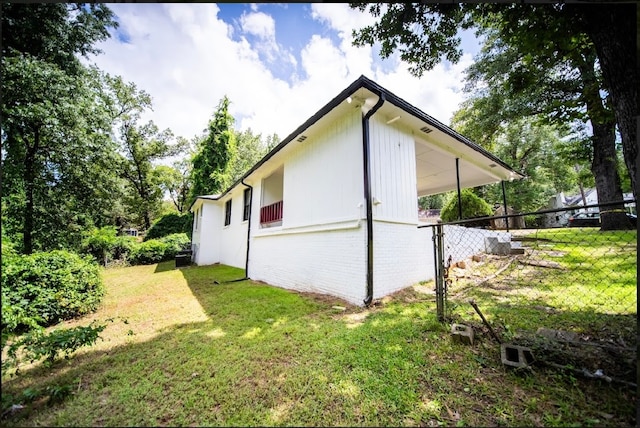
(193, 352)
(587, 283)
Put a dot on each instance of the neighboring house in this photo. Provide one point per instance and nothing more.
(333, 208)
(561, 218)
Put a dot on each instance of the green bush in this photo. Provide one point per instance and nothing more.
(472, 206)
(46, 288)
(175, 242)
(148, 252)
(105, 246)
(123, 247)
(99, 243)
(170, 224)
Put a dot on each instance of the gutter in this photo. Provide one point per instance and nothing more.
(367, 194)
(364, 82)
(246, 265)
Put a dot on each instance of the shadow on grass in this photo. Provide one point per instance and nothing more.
(165, 266)
(267, 356)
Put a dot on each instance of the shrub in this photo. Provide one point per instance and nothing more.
(175, 242)
(123, 247)
(170, 224)
(148, 252)
(99, 243)
(46, 288)
(472, 206)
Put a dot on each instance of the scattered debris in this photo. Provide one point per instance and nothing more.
(516, 356)
(461, 333)
(484, 320)
(542, 263)
(478, 258)
(339, 308)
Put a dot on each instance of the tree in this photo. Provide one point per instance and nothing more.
(546, 36)
(54, 143)
(250, 148)
(472, 206)
(56, 152)
(175, 180)
(431, 202)
(214, 154)
(558, 83)
(55, 32)
(140, 146)
(534, 150)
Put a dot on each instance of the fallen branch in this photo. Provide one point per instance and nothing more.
(498, 272)
(542, 263)
(597, 375)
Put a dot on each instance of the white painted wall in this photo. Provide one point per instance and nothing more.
(403, 256)
(326, 261)
(233, 238)
(320, 246)
(393, 173)
(205, 240)
(323, 175)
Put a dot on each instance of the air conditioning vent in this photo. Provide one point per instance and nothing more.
(302, 138)
(426, 129)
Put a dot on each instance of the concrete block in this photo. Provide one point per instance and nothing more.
(462, 334)
(516, 356)
(493, 246)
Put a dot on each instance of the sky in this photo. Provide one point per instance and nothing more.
(277, 63)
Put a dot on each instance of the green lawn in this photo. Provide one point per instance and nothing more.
(194, 352)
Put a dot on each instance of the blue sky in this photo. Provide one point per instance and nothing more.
(278, 63)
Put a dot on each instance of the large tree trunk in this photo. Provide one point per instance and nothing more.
(607, 178)
(604, 163)
(612, 28)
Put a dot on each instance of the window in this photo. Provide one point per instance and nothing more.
(227, 213)
(247, 204)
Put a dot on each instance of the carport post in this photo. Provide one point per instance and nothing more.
(458, 184)
(504, 203)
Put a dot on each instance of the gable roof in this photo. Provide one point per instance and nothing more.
(442, 141)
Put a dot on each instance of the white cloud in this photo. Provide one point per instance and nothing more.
(259, 24)
(185, 57)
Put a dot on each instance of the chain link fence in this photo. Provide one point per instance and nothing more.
(560, 290)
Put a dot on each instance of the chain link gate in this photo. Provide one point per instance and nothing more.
(441, 272)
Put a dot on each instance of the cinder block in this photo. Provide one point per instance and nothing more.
(462, 334)
(493, 246)
(516, 356)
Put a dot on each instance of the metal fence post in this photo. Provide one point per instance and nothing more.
(438, 247)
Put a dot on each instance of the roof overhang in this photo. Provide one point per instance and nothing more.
(437, 145)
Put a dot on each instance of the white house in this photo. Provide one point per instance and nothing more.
(333, 207)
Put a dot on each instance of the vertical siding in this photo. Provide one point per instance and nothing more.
(393, 167)
(323, 175)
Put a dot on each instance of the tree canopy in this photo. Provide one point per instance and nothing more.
(214, 154)
(544, 60)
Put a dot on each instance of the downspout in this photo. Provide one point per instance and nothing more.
(246, 264)
(504, 203)
(367, 195)
(458, 187)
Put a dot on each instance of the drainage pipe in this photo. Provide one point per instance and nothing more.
(458, 187)
(367, 194)
(246, 264)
